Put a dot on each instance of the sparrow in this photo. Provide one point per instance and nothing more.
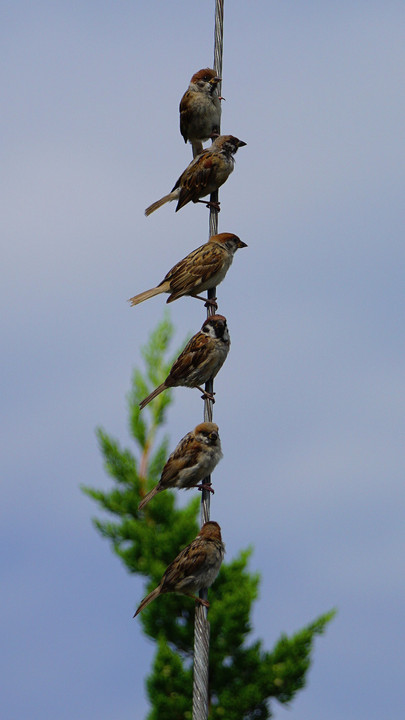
(195, 567)
(201, 359)
(200, 270)
(200, 109)
(205, 174)
(194, 458)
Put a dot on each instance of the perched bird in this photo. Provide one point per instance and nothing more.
(193, 459)
(202, 269)
(200, 109)
(201, 359)
(205, 174)
(196, 567)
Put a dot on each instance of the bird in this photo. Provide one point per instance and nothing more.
(200, 109)
(193, 459)
(201, 359)
(194, 568)
(200, 270)
(205, 174)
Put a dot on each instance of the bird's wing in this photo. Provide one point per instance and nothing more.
(196, 178)
(193, 355)
(185, 455)
(186, 114)
(194, 271)
(186, 565)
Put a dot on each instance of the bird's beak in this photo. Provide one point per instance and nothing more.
(215, 80)
(241, 143)
(213, 436)
(241, 244)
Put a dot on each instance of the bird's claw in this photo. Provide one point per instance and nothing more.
(206, 486)
(211, 302)
(202, 602)
(208, 396)
(213, 205)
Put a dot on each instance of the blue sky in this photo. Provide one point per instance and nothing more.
(310, 403)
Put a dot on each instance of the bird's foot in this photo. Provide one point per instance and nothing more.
(209, 204)
(205, 486)
(211, 302)
(214, 205)
(202, 602)
(207, 396)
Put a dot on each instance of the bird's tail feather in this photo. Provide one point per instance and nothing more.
(148, 599)
(156, 205)
(146, 295)
(148, 497)
(153, 394)
(197, 148)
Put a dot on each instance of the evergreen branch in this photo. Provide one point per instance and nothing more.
(243, 677)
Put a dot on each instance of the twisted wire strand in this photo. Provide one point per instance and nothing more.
(213, 230)
(201, 653)
(201, 624)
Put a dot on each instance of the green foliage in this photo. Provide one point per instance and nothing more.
(243, 677)
(253, 676)
(170, 685)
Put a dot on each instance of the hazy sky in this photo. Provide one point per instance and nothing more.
(310, 403)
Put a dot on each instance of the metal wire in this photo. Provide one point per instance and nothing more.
(213, 230)
(218, 52)
(201, 663)
(201, 624)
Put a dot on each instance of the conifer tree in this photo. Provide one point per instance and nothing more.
(244, 677)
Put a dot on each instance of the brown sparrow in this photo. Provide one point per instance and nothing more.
(200, 109)
(202, 269)
(205, 174)
(201, 359)
(195, 567)
(193, 459)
